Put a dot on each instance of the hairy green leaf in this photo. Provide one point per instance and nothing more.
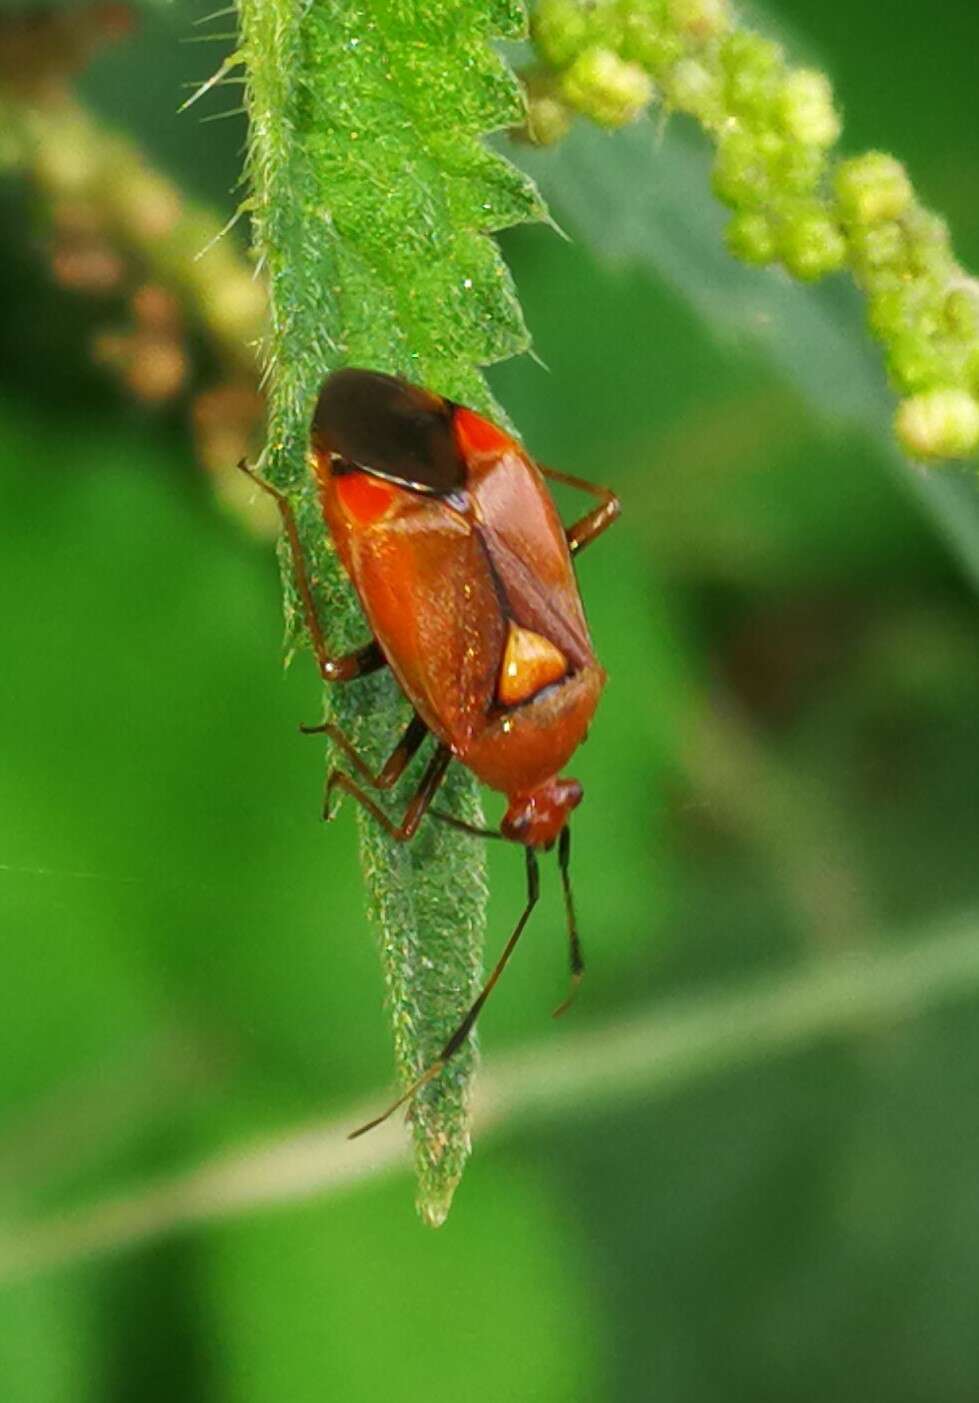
(372, 197)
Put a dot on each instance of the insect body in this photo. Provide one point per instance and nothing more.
(463, 568)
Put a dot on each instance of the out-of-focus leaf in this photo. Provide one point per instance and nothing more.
(492, 1310)
(163, 867)
(49, 1344)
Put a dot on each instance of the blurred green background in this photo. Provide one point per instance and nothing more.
(785, 768)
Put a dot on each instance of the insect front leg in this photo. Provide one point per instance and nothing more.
(346, 666)
(581, 533)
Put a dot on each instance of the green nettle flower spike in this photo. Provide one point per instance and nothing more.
(791, 200)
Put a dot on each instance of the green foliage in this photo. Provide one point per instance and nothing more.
(470, 1286)
(186, 969)
(371, 199)
(775, 127)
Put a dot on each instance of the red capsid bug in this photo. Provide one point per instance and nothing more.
(464, 571)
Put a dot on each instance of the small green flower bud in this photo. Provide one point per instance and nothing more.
(548, 119)
(929, 245)
(811, 244)
(926, 303)
(771, 146)
(645, 41)
(744, 51)
(692, 88)
(872, 188)
(798, 169)
(887, 313)
(805, 108)
(751, 237)
(883, 279)
(972, 372)
(740, 176)
(754, 68)
(878, 246)
(926, 228)
(961, 312)
(899, 304)
(701, 20)
(914, 362)
(603, 87)
(560, 30)
(939, 424)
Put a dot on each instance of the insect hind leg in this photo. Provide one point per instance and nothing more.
(588, 528)
(392, 769)
(428, 786)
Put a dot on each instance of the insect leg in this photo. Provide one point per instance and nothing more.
(423, 796)
(348, 665)
(576, 959)
(465, 1027)
(393, 767)
(462, 826)
(592, 524)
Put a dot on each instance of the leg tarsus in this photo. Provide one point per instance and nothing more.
(433, 1071)
(565, 1004)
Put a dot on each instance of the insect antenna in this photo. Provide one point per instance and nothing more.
(576, 959)
(465, 1027)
